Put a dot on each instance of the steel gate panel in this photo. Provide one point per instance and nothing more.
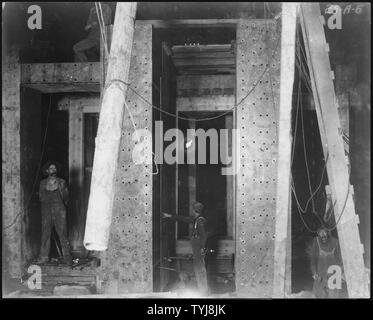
(258, 65)
(127, 264)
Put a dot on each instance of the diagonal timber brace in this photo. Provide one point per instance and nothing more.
(333, 148)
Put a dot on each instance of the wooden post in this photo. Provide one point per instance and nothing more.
(76, 167)
(284, 141)
(101, 198)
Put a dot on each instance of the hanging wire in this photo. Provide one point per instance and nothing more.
(255, 84)
(99, 15)
(300, 210)
(38, 169)
(305, 157)
(253, 87)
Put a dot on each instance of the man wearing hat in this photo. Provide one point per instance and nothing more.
(198, 241)
(53, 195)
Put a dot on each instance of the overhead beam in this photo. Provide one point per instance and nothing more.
(191, 23)
(85, 104)
(284, 151)
(61, 77)
(206, 103)
(204, 62)
(195, 23)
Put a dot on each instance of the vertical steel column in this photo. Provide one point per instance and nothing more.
(127, 264)
(258, 75)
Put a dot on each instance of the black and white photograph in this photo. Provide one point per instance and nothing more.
(213, 151)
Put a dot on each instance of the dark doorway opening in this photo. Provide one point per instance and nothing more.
(177, 55)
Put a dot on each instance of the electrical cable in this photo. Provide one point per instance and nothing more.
(99, 15)
(305, 156)
(200, 119)
(293, 186)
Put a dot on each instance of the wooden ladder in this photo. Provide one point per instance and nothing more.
(334, 150)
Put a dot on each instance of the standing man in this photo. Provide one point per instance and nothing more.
(198, 241)
(324, 253)
(93, 38)
(53, 195)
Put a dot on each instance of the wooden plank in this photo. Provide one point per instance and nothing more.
(284, 140)
(195, 23)
(62, 73)
(332, 141)
(180, 50)
(85, 104)
(203, 82)
(64, 87)
(207, 70)
(190, 23)
(76, 175)
(204, 55)
(204, 62)
(212, 103)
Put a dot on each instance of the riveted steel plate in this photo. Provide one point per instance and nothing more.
(258, 65)
(127, 264)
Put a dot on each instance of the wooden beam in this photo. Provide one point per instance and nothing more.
(284, 142)
(204, 55)
(333, 147)
(61, 77)
(85, 104)
(76, 176)
(64, 87)
(207, 103)
(202, 48)
(101, 197)
(191, 23)
(206, 70)
(204, 62)
(195, 23)
(203, 82)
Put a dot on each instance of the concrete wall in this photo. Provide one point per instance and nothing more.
(11, 182)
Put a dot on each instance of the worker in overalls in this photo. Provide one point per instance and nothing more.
(324, 252)
(93, 27)
(198, 242)
(53, 195)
